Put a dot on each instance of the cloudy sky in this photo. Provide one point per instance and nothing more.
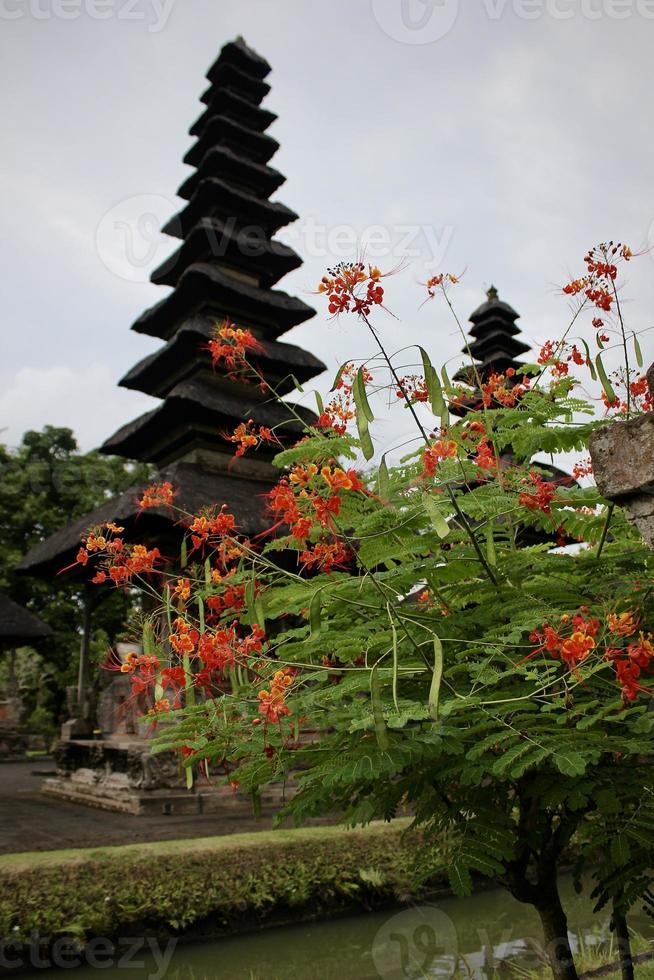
(502, 138)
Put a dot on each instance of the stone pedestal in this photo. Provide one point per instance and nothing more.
(121, 774)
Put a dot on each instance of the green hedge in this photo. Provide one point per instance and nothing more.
(206, 886)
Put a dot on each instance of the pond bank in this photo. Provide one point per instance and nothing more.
(207, 887)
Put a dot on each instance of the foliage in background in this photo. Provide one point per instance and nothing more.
(45, 484)
(466, 633)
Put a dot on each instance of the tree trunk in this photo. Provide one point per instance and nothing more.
(555, 931)
(624, 942)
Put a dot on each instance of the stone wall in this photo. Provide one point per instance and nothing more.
(623, 465)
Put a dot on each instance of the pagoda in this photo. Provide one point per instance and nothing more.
(494, 346)
(225, 269)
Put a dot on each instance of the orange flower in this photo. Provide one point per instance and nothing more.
(301, 476)
(157, 495)
(182, 590)
(336, 479)
(434, 454)
(622, 624)
(272, 703)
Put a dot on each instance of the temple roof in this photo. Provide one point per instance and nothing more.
(196, 413)
(183, 355)
(495, 346)
(223, 131)
(214, 197)
(229, 103)
(18, 625)
(221, 162)
(242, 248)
(203, 289)
(250, 88)
(238, 53)
(196, 488)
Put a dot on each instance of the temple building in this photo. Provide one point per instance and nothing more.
(226, 268)
(494, 347)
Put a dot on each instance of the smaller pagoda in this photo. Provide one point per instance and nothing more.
(495, 346)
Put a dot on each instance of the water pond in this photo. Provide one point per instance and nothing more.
(430, 941)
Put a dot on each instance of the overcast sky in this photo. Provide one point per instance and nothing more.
(500, 137)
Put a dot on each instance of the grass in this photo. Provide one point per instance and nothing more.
(209, 886)
(34, 859)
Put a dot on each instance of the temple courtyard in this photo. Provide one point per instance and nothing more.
(31, 821)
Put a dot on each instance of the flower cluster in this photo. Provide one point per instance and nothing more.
(352, 288)
(307, 501)
(571, 648)
(577, 637)
(211, 527)
(435, 453)
(272, 703)
(440, 281)
(247, 435)
(538, 494)
(157, 495)
(229, 348)
(116, 560)
(502, 389)
(340, 410)
(598, 286)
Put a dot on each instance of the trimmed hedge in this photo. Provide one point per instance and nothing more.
(208, 886)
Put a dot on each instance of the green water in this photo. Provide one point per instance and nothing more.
(423, 942)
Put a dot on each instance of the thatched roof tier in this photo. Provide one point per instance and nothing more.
(245, 249)
(184, 356)
(206, 290)
(245, 175)
(18, 625)
(254, 90)
(223, 131)
(200, 413)
(214, 197)
(494, 346)
(496, 342)
(229, 103)
(195, 489)
(240, 55)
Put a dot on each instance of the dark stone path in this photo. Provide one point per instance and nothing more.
(30, 821)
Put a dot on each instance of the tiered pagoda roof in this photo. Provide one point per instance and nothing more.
(225, 268)
(494, 347)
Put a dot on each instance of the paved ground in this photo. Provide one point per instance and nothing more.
(30, 821)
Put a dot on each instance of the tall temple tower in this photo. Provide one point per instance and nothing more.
(226, 267)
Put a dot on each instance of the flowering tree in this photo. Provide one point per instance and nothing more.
(463, 634)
